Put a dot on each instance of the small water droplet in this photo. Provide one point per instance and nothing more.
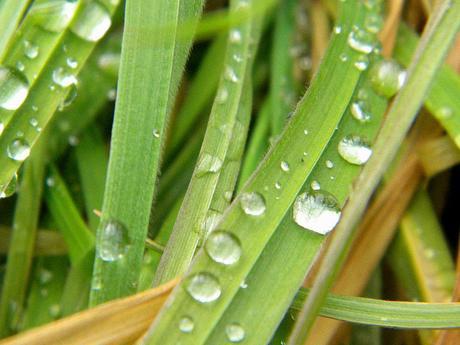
(64, 78)
(112, 95)
(337, 29)
(8, 189)
(373, 23)
(30, 50)
(235, 332)
(359, 112)
(203, 287)
(284, 166)
(109, 63)
(113, 240)
(238, 58)
(235, 36)
(73, 140)
(208, 164)
(387, 77)
(253, 204)
(186, 324)
(223, 247)
(18, 150)
(212, 219)
(13, 88)
(354, 149)
(54, 311)
(45, 276)
(244, 285)
(230, 74)
(361, 41)
(156, 133)
(222, 96)
(228, 195)
(361, 63)
(55, 15)
(315, 185)
(316, 211)
(92, 22)
(329, 164)
(305, 131)
(71, 62)
(50, 182)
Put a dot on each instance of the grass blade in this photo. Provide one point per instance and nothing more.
(11, 12)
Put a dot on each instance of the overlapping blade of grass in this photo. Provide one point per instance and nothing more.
(147, 85)
(442, 100)
(292, 250)
(51, 87)
(439, 33)
(11, 12)
(22, 244)
(47, 242)
(319, 112)
(189, 227)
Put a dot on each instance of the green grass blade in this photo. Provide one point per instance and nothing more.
(78, 237)
(320, 112)
(147, 84)
(368, 311)
(442, 99)
(11, 12)
(441, 29)
(188, 230)
(22, 243)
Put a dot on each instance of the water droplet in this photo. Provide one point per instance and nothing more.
(361, 41)
(337, 29)
(235, 332)
(277, 185)
(235, 36)
(222, 96)
(113, 240)
(443, 112)
(253, 204)
(8, 189)
(70, 97)
(244, 285)
(203, 287)
(361, 63)
(112, 95)
(387, 77)
(354, 149)
(329, 164)
(55, 311)
(50, 182)
(316, 211)
(230, 74)
(212, 219)
(18, 150)
(30, 50)
(33, 122)
(284, 166)
(305, 131)
(315, 185)
(109, 63)
(228, 195)
(92, 22)
(71, 62)
(45, 276)
(359, 112)
(238, 58)
(186, 324)
(55, 15)
(63, 78)
(13, 88)
(208, 164)
(373, 23)
(20, 66)
(343, 57)
(73, 140)
(156, 133)
(223, 247)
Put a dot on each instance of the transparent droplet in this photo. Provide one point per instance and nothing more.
(71, 62)
(354, 149)
(20, 66)
(203, 287)
(30, 50)
(244, 285)
(387, 77)
(9, 188)
(343, 57)
(112, 95)
(235, 332)
(305, 131)
(223, 247)
(186, 324)
(373, 23)
(230, 74)
(337, 29)
(70, 97)
(253, 204)
(284, 166)
(361, 63)
(50, 182)
(235, 36)
(315, 185)
(316, 211)
(54, 15)
(109, 63)
(54, 311)
(113, 240)
(359, 112)
(13, 88)
(45, 276)
(18, 150)
(329, 164)
(64, 78)
(212, 219)
(222, 96)
(361, 41)
(73, 140)
(228, 195)
(277, 185)
(92, 22)
(208, 164)
(156, 133)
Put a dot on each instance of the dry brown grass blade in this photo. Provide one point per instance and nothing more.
(438, 155)
(115, 323)
(320, 34)
(47, 242)
(390, 29)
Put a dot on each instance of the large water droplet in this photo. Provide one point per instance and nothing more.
(30, 50)
(361, 41)
(9, 188)
(359, 112)
(354, 149)
(329, 164)
(315, 185)
(18, 149)
(203, 287)
(208, 164)
(253, 204)
(387, 77)
(64, 78)
(92, 22)
(55, 15)
(186, 324)
(316, 211)
(113, 240)
(235, 332)
(13, 88)
(223, 247)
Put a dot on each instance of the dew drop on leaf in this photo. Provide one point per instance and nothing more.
(18, 150)
(359, 112)
(253, 204)
(387, 77)
(203, 287)
(208, 164)
(55, 15)
(13, 88)
(113, 240)
(354, 149)
(92, 22)
(30, 50)
(223, 247)
(186, 324)
(235, 332)
(9, 188)
(361, 41)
